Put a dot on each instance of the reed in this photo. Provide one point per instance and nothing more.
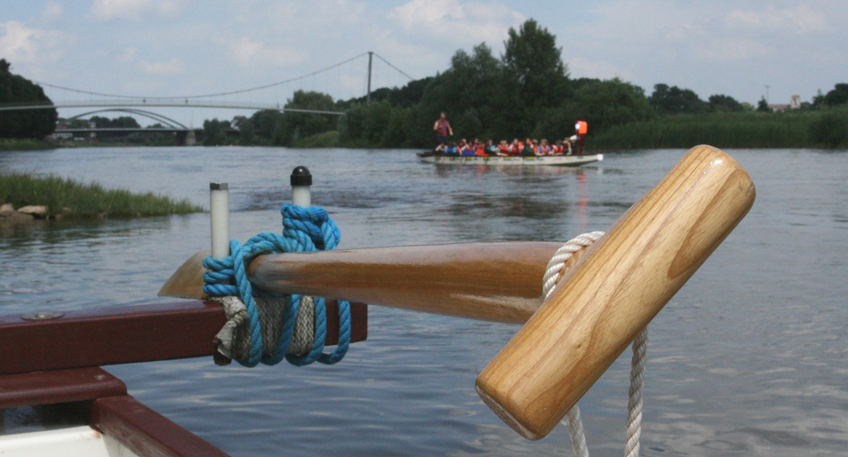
(24, 144)
(72, 199)
(329, 139)
(724, 130)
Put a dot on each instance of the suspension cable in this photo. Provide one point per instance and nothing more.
(396, 68)
(220, 94)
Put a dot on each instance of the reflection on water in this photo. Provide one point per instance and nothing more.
(748, 358)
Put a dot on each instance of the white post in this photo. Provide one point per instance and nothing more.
(219, 212)
(301, 179)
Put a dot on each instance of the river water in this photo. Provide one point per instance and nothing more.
(749, 358)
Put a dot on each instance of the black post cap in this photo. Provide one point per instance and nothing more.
(301, 177)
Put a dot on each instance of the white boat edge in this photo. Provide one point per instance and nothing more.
(80, 441)
(558, 161)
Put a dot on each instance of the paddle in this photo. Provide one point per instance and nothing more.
(488, 281)
(622, 282)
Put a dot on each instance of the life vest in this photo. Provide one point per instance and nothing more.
(583, 127)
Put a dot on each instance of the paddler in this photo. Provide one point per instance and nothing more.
(581, 128)
(443, 129)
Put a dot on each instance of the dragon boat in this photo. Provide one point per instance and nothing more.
(556, 161)
(600, 293)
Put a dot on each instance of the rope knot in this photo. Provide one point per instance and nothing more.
(311, 228)
(262, 330)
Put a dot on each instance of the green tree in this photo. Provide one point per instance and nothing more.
(674, 100)
(247, 132)
(474, 81)
(837, 96)
(724, 103)
(35, 123)
(602, 104)
(535, 64)
(265, 123)
(308, 124)
(534, 67)
(762, 106)
(214, 132)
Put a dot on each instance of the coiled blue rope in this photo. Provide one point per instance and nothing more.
(304, 230)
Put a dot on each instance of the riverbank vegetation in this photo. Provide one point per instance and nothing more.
(528, 92)
(24, 144)
(72, 199)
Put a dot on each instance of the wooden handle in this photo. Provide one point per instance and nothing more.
(499, 282)
(621, 283)
(488, 281)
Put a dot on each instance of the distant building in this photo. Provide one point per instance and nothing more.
(795, 103)
(778, 108)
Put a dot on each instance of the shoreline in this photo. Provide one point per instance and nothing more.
(24, 197)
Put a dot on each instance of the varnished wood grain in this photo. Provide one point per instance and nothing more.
(487, 281)
(621, 283)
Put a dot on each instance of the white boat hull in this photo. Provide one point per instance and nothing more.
(80, 441)
(558, 161)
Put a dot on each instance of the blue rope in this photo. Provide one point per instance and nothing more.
(304, 230)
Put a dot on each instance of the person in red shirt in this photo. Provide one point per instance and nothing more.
(443, 129)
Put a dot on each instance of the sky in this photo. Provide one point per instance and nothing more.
(743, 48)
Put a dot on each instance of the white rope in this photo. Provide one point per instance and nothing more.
(634, 406)
(233, 340)
(575, 428)
(562, 255)
(552, 275)
(637, 371)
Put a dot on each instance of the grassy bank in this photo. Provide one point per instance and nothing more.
(24, 144)
(73, 199)
(794, 129)
(731, 130)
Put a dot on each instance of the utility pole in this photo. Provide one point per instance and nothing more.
(767, 94)
(370, 56)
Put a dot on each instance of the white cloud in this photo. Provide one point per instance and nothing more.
(128, 55)
(108, 10)
(726, 49)
(452, 20)
(248, 52)
(800, 19)
(20, 43)
(170, 67)
(52, 12)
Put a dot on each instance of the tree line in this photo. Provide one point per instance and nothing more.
(526, 92)
(36, 123)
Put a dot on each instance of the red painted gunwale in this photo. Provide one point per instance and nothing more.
(129, 334)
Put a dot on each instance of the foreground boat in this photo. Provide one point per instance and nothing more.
(608, 294)
(556, 161)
